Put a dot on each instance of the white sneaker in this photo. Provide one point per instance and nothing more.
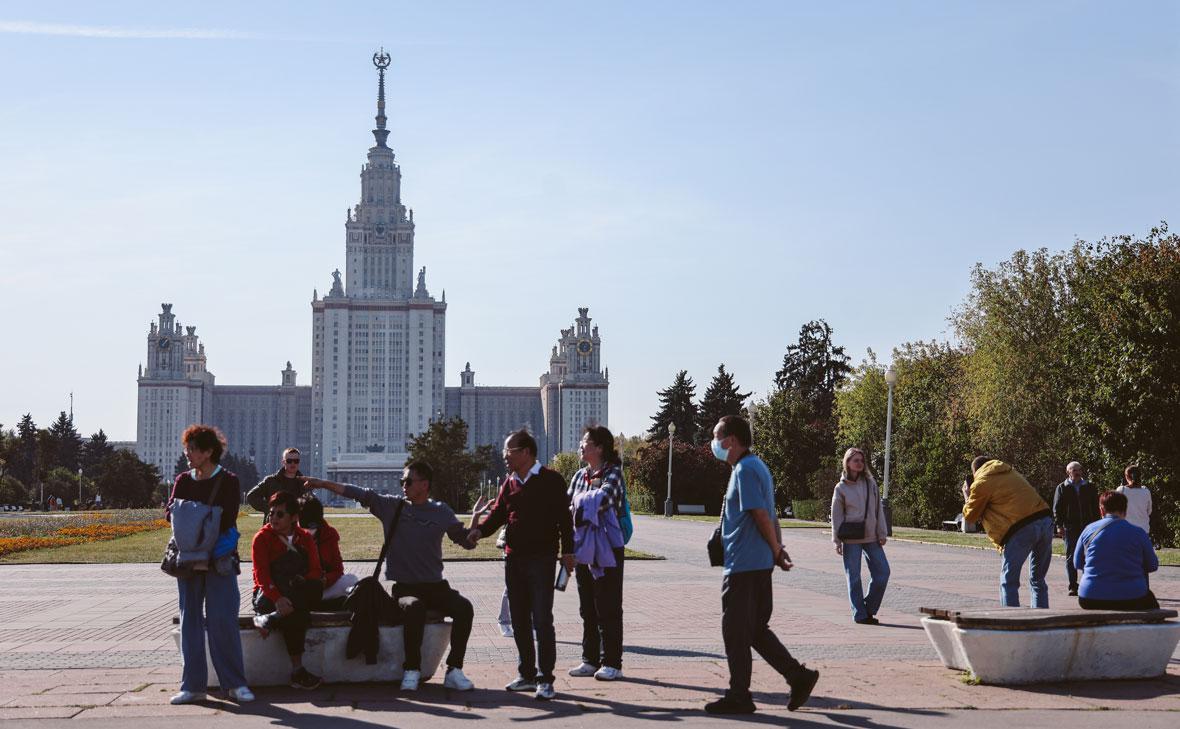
(410, 680)
(522, 684)
(242, 694)
(583, 670)
(506, 631)
(606, 673)
(456, 680)
(187, 697)
(545, 691)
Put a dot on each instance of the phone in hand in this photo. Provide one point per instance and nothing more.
(563, 578)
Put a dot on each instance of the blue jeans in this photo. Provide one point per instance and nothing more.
(1033, 541)
(529, 580)
(874, 554)
(210, 601)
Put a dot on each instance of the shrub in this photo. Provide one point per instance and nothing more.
(811, 509)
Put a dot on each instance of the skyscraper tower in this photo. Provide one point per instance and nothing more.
(378, 339)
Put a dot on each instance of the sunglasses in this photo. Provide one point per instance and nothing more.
(292, 460)
(277, 513)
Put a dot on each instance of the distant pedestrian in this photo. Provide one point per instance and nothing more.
(1138, 499)
(1019, 523)
(750, 537)
(859, 527)
(1114, 557)
(532, 502)
(209, 599)
(597, 494)
(288, 478)
(1075, 505)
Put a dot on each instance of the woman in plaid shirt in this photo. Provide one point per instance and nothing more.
(600, 601)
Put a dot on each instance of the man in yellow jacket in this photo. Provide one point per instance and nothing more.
(1019, 523)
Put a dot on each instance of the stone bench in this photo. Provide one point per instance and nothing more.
(690, 508)
(267, 662)
(1026, 645)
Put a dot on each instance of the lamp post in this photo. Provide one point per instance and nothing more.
(890, 381)
(78, 506)
(668, 502)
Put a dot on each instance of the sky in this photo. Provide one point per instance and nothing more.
(705, 177)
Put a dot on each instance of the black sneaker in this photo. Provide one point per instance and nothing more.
(870, 620)
(301, 678)
(801, 688)
(726, 705)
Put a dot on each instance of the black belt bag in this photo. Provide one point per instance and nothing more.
(850, 530)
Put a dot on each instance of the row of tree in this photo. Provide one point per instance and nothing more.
(1056, 357)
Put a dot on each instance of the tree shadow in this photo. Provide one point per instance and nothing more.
(1121, 689)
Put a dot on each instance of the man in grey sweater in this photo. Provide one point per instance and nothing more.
(414, 564)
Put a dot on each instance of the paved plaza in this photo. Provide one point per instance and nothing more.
(91, 642)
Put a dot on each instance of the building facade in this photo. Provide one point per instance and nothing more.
(176, 389)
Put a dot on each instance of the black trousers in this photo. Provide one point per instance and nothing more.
(529, 580)
(1146, 602)
(600, 602)
(747, 601)
(304, 595)
(414, 600)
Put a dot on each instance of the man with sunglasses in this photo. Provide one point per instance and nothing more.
(288, 478)
(414, 563)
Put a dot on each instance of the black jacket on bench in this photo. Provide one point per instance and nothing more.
(371, 606)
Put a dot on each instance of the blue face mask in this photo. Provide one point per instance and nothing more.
(721, 454)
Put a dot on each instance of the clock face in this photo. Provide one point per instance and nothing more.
(380, 230)
(584, 346)
(164, 343)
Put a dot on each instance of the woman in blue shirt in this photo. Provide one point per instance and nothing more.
(1114, 557)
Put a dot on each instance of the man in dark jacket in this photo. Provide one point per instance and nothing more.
(533, 503)
(1075, 504)
(288, 478)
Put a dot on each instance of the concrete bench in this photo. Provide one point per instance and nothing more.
(267, 663)
(1026, 645)
(690, 508)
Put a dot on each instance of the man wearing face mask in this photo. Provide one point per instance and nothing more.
(750, 536)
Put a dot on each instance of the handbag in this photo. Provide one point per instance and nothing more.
(171, 564)
(854, 529)
(715, 548)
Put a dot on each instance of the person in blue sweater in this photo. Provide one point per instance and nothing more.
(1114, 556)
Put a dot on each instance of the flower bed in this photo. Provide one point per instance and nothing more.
(19, 535)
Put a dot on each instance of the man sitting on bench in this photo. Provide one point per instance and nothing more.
(414, 562)
(1114, 556)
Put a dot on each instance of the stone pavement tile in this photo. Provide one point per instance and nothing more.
(63, 700)
(155, 712)
(96, 688)
(39, 712)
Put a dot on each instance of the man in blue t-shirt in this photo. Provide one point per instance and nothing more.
(750, 536)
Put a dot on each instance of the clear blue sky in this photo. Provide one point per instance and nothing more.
(705, 177)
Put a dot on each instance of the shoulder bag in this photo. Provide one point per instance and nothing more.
(171, 564)
(715, 548)
(850, 530)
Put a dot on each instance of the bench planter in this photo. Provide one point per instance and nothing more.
(1026, 645)
(267, 663)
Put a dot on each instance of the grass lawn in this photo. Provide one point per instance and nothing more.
(360, 540)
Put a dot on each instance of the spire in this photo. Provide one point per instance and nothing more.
(381, 61)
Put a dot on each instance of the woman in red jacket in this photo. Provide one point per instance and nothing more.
(287, 582)
(327, 539)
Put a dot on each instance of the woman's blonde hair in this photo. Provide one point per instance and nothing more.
(865, 472)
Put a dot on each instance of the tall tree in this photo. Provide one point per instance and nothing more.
(456, 470)
(676, 406)
(722, 397)
(67, 444)
(94, 451)
(243, 467)
(814, 367)
(25, 452)
(126, 481)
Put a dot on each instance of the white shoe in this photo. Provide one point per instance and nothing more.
(187, 697)
(522, 684)
(606, 673)
(242, 694)
(545, 691)
(583, 669)
(456, 680)
(506, 631)
(410, 680)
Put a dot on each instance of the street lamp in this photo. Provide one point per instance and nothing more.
(668, 502)
(890, 380)
(78, 506)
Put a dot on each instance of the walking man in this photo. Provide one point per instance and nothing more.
(532, 501)
(288, 478)
(1017, 520)
(414, 563)
(1075, 505)
(750, 536)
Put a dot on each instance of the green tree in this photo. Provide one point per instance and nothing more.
(860, 412)
(66, 443)
(242, 467)
(180, 466)
(456, 470)
(676, 406)
(126, 481)
(722, 397)
(94, 451)
(13, 491)
(24, 454)
(567, 464)
(697, 477)
(814, 367)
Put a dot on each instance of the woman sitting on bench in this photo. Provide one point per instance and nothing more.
(327, 540)
(286, 582)
(1114, 556)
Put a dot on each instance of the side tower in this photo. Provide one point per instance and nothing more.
(574, 390)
